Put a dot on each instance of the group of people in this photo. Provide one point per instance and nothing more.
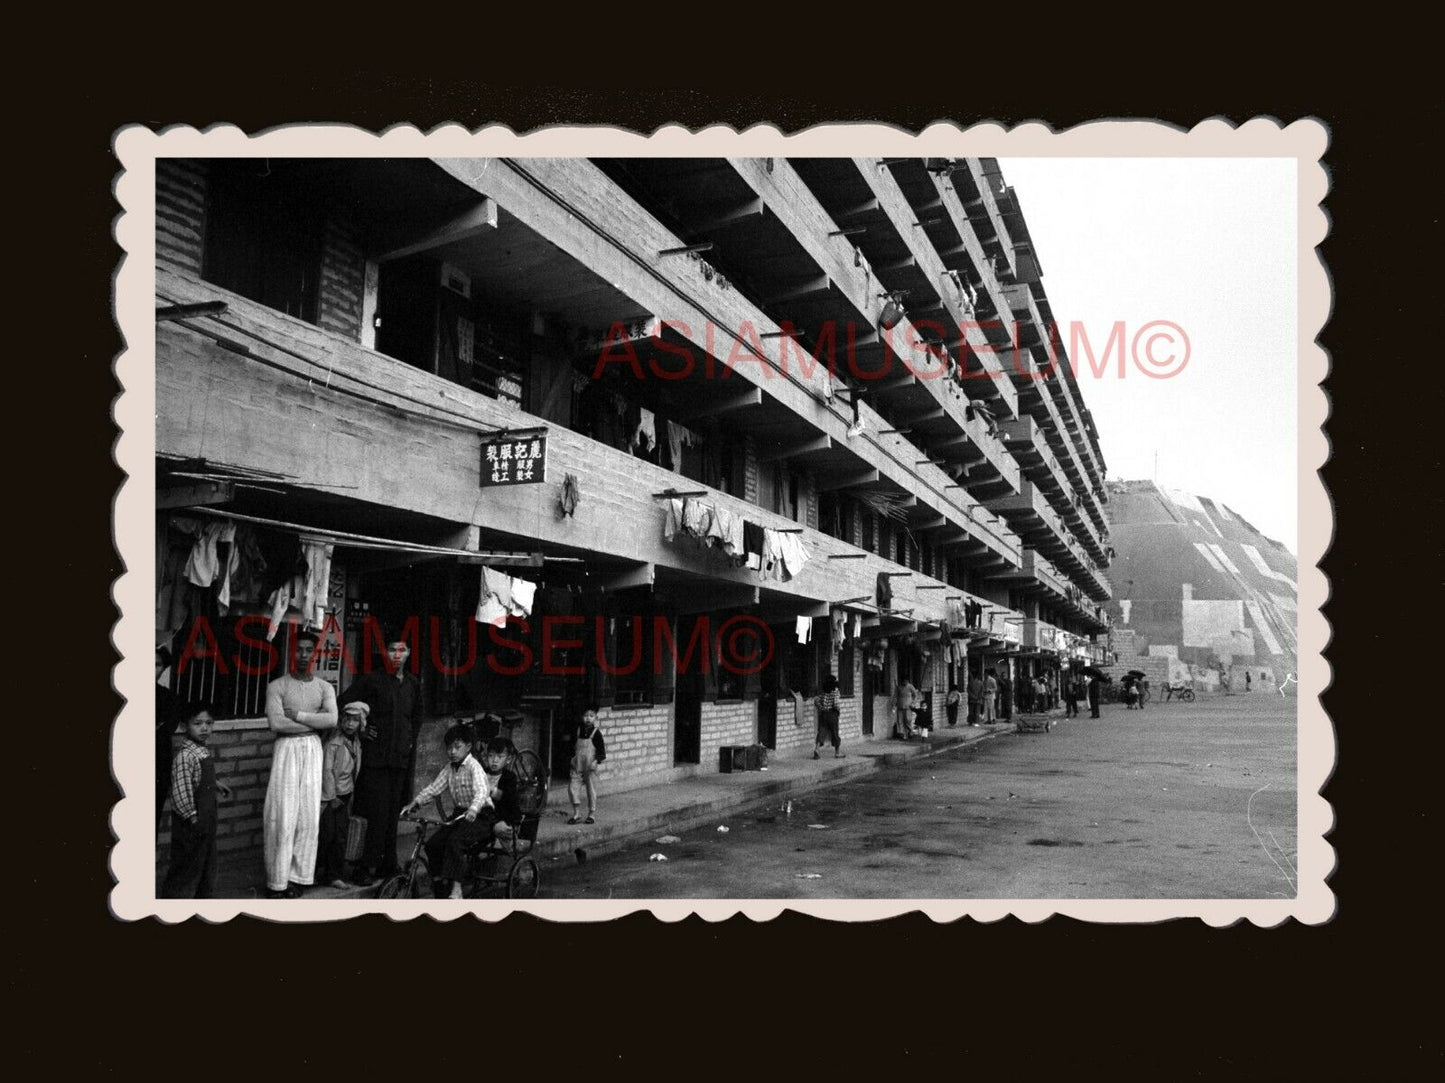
(332, 757)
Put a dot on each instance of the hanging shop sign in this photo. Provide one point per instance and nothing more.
(514, 459)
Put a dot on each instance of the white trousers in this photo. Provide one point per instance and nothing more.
(291, 821)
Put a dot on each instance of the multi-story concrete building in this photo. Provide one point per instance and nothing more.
(419, 369)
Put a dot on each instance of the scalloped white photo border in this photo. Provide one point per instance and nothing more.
(133, 856)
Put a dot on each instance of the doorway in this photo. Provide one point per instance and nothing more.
(868, 680)
(687, 708)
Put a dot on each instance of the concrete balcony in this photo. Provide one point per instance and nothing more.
(1031, 517)
(360, 441)
(580, 217)
(1041, 636)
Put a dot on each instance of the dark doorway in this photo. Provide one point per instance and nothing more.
(868, 678)
(768, 719)
(407, 308)
(687, 707)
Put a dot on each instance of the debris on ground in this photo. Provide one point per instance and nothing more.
(808, 876)
(658, 857)
(767, 820)
(667, 839)
(818, 827)
(722, 829)
(581, 855)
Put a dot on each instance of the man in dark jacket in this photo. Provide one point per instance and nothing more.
(1094, 696)
(384, 784)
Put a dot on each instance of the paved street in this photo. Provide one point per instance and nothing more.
(1149, 804)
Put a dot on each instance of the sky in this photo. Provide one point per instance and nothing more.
(1208, 245)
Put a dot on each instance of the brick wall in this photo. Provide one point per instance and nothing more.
(729, 722)
(639, 742)
(180, 212)
(343, 280)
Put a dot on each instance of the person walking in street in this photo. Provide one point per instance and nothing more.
(299, 708)
(1094, 696)
(950, 704)
(828, 718)
(975, 699)
(990, 699)
(588, 752)
(1071, 696)
(1005, 697)
(193, 792)
(393, 721)
(1248, 681)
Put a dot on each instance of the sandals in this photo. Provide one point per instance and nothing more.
(590, 820)
(574, 821)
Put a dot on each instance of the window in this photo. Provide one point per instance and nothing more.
(263, 236)
(632, 643)
(870, 540)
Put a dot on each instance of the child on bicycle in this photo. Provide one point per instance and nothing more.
(194, 792)
(467, 782)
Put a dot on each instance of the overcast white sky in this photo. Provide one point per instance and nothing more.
(1208, 244)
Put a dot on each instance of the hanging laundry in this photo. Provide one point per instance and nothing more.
(678, 437)
(571, 496)
(884, 592)
(206, 561)
(646, 432)
(840, 622)
(804, 627)
(857, 625)
(696, 517)
(734, 544)
(316, 589)
(280, 601)
(773, 553)
(715, 533)
(523, 593)
(672, 523)
(794, 555)
(753, 542)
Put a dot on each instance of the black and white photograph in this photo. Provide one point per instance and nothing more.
(581, 523)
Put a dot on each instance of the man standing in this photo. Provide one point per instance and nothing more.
(975, 699)
(298, 708)
(990, 699)
(384, 785)
(1094, 695)
(1005, 696)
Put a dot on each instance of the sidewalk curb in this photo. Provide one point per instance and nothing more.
(604, 839)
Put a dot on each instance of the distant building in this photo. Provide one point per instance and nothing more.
(377, 378)
(1198, 584)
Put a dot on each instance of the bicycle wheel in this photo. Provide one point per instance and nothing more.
(1187, 695)
(524, 879)
(394, 887)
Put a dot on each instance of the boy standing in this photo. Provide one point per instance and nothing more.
(588, 752)
(467, 782)
(194, 789)
(340, 764)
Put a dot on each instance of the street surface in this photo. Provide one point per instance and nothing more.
(1139, 804)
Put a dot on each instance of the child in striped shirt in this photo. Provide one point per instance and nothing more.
(828, 726)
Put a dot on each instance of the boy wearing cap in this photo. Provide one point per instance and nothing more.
(340, 764)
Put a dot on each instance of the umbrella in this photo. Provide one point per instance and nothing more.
(1095, 671)
(1137, 673)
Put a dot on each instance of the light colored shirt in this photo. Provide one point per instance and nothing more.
(314, 701)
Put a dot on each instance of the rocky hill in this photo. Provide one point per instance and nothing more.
(1195, 582)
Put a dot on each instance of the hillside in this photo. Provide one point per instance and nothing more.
(1196, 581)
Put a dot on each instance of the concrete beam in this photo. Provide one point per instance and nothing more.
(194, 496)
(470, 223)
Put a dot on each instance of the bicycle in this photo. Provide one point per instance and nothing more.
(522, 876)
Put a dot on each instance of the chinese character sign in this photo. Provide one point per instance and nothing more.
(508, 460)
